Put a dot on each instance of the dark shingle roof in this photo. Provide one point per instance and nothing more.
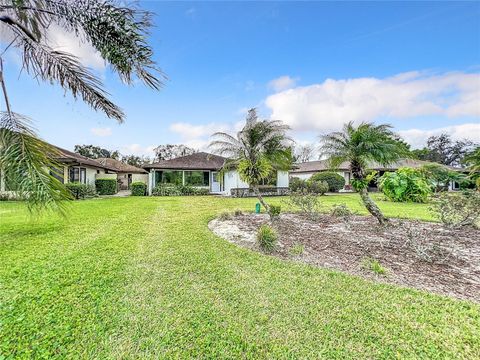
(120, 166)
(197, 161)
(322, 165)
(69, 156)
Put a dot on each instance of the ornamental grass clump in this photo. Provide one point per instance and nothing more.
(267, 238)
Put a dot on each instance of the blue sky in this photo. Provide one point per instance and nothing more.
(313, 65)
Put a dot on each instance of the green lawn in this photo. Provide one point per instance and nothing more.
(144, 278)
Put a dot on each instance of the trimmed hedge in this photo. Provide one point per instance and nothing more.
(178, 190)
(106, 186)
(81, 191)
(138, 188)
(335, 181)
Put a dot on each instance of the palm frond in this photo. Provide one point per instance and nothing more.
(50, 65)
(27, 162)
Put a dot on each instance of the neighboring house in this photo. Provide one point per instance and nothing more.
(75, 168)
(203, 170)
(126, 174)
(306, 170)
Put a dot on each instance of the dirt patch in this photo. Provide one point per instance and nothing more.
(416, 254)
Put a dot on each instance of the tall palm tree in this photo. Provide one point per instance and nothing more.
(361, 145)
(117, 32)
(257, 151)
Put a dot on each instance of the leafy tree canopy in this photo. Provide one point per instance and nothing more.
(96, 152)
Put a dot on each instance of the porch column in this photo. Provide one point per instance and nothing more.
(183, 177)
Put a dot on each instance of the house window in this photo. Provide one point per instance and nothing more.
(76, 174)
(98, 171)
(197, 178)
(169, 177)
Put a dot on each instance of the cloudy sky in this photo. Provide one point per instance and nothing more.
(312, 65)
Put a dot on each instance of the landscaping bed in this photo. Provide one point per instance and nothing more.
(416, 254)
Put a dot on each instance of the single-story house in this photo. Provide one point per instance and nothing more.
(75, 168)
(202, 169)
(307, 169)
(126, 174)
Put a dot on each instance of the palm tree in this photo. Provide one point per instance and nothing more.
(258, 150)
(361, 145)
(118, 33)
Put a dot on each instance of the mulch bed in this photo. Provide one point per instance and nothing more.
(416, 254)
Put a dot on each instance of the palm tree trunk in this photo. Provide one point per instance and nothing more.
(260, 198)
(372, 207)
(359, 175)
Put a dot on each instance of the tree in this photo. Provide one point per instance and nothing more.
(361, 145)
(443, 150)
(304, 153)
(117, 32)
(96, 152)
(135, 160)
(257, 151)
(172, 151)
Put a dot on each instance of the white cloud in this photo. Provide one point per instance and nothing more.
(102, 132)
(418, 138)
(199, 136)
(282, 83)
(59, 39)
(326, 106)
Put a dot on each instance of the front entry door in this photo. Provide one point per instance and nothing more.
(215, 183)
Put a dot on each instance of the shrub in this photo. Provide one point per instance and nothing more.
(237, 212)
(275, 211)
(374, 266)
(81, 191)
(138, 188)
(178, 190)
(308, 204)
(341, 210)
(225, 215)
(106, 186)
(267, 238)
(405, 184)
(457, 209)
(440, 176)
(297, 184)
(334, 181)
(166, 190)
(317, 187)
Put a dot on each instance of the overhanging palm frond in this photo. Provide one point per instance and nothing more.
(27, 165)
(50, 65)
(118, 32)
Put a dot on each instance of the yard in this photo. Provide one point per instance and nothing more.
(145, 278)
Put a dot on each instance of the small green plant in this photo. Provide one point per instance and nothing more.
(81, 191)
(274, 211)
(308, 204)
(106, 186)
(334, 181)
(138, 188)
(374, 266)
(238, 212)
(267, 238)
(225, 215)
(341, 210)
(297, 184)
(296, 249)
